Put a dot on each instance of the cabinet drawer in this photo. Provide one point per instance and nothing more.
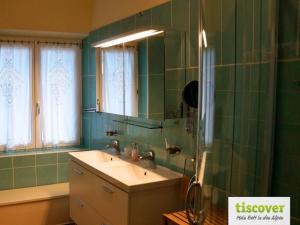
(109, 201)
(83, 214)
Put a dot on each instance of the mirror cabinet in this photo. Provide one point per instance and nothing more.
(142, 78)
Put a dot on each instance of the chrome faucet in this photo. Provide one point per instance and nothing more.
(115, 144)
(149, 157)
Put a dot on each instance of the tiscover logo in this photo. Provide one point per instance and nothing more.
(263, 211)
(248, 208)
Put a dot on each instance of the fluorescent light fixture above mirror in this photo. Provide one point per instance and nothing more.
(127, 38)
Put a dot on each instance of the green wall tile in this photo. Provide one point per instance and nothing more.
(266, 35)
(156, 53)
(24, 161)
(6, 179)
(93, 37)
(258, 38)
(242, 78)
(5, 163)
(288, 75)
(228, 31)
(92, 61)
(143, 94)
(193, 34)
(224, 78)
(109, 31)
(224, 103)
(114, 29)
(46, 174)
(223, 128)
(63, 157)
(244, 27)
(172, 103)
(161, 15)
(193, 50)
(212, 12)
(174, 49)
(175, 79)
(288, 107)
(287, 139)
(156, 94)
(143, 19)
(180, 16)
(127, 24)
(25, 177)
(92, 91)
(143, 57)
(85, 92)
(103, 33)
(192, 74)
(63, 172)
(44, 159)
(85, 56)
(255, 78)
(288, 25)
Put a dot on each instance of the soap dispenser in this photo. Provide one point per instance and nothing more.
(134, 152)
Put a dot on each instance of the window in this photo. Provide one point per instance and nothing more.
(39, 95)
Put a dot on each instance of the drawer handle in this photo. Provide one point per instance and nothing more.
(107, 189)
(78, 171)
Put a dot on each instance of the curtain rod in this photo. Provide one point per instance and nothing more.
(59, 43)
(41, 42)
(16, 41)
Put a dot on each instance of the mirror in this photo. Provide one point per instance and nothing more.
(134, 78)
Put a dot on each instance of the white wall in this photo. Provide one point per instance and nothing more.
(46, 15)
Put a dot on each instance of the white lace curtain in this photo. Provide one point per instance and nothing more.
(15, 95)
(119, 81)
(60, 94)
(56, 89)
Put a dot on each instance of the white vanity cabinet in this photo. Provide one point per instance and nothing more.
(98, 201)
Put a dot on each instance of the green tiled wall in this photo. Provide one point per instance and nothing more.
(21, 171)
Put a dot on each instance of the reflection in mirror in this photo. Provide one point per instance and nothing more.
(118, 73)
(190, 93)
(175, 76)
(151, 72)
(131, 78)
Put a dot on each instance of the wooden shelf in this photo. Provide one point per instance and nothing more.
(216, 216)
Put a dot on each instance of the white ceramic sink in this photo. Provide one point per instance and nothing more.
(126, 174)
(96, 156)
